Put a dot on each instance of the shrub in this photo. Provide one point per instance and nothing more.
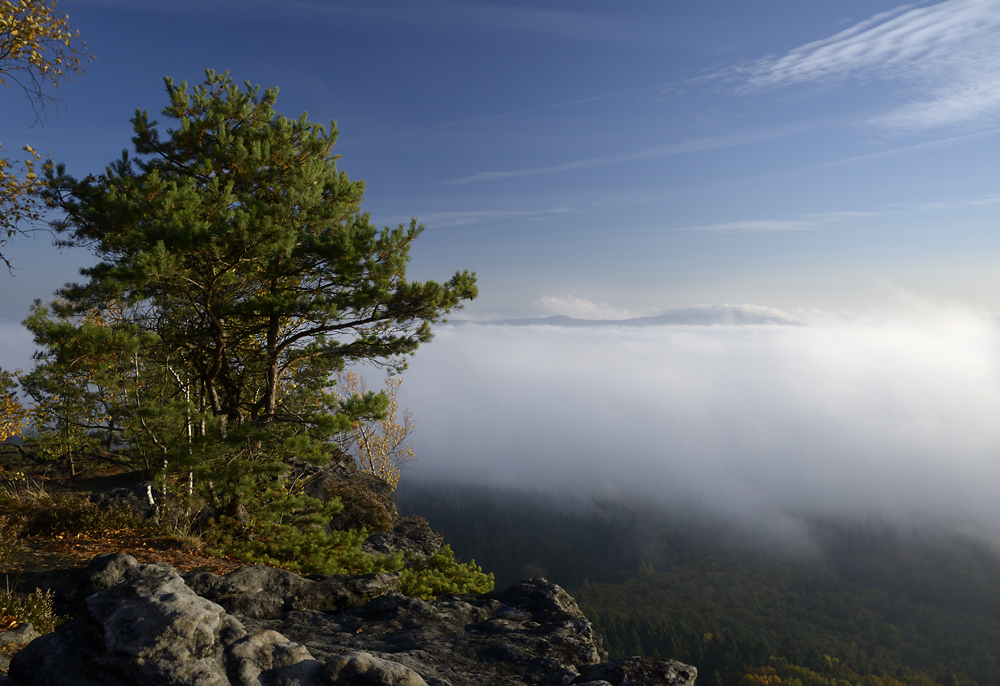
(287, 530)
(363, 509)
(36, 607)
(72, 514)
(439, 574)
(11, 527)
(302, 549)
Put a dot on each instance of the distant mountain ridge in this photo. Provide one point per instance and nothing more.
(702, 315)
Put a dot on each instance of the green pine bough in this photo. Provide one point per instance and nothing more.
(440, 574)
(312, 551)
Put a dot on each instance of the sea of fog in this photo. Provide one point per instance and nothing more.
(756, 415)
(890, 415)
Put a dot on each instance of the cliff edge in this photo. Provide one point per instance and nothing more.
(151, 624)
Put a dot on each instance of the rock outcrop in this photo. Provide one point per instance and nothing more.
(149, 624)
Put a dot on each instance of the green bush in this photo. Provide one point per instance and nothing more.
(300, 547)
(280, 528)
(439, 574)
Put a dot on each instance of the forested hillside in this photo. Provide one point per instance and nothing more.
(863, 603)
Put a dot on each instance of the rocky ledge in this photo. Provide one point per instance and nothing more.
(150, 624)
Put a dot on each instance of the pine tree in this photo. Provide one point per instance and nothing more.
(242, 275)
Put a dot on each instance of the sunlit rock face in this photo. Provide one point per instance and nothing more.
(146, 624)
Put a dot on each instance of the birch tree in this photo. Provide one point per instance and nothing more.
(379, 442)
(38, 52)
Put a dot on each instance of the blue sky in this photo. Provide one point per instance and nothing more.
(829, 163)
(597, 158)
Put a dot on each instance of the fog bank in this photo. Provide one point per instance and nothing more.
(893, 415)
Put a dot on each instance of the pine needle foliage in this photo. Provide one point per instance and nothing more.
(236, 275)
(440, 574)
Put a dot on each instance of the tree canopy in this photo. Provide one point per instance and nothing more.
(237, 275)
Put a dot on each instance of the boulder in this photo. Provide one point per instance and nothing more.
(152, 628)
(20, 634)
(343, 470)
(132, 497)
(638, 671)
(532, 632)
(409, 534)
(148, 629)
(265, 593)
(146, 624)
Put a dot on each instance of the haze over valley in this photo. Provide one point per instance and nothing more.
(888, 414)
(735, 345)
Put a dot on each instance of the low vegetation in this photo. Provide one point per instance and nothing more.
(301, 546)
(302, 541)
(310, 540)
(362, 509)
(35, 607)
(440, 574)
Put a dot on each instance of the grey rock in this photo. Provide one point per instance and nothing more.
(132, 497)
(157, 615)
(364, 668)
(148, 629)
(268, 657)
(104, 571)
(639, 671)
(263, 592)
(147, 624)
(22, 633)
(533, 632)
(152, 629)
(108, 570)
(345, 471)
(409, 534)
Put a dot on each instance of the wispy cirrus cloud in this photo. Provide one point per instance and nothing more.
(946, 55)
(804, 222)
(468, 217)
(430, 15)
(819, 220)
(752, 226)
(990, 200)
(654, 152)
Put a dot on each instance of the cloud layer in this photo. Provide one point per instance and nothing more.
(946, 54)
(573, 306)
(886, 415)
